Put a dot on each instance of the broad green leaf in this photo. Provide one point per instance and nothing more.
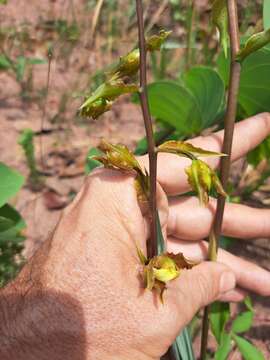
(208, 89)
(174, 105)
(248, 351)
(91, 164)
(219, 315)
(225, 347)
(5, 63)
(5, 224)
(10, 183)
(266, 14)
(254, 91)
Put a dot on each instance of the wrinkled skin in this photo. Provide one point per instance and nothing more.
(91, 259)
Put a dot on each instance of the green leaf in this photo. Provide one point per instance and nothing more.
(260, 153)
(5, 224)
(266, 14)
(174, 105)
(182, 347)
(10, 184)
(91, 164)
(254, 91)
(243, 321)
(5, 63)
(208, 89)
(12, 214)
(248, 351)
(225, 347)
(11, 233)
(219, 316)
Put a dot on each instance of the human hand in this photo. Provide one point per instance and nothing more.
(91, 258)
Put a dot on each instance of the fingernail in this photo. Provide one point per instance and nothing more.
(227, 282)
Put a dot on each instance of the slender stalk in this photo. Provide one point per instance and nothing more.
(44, 108)
(152, 242)
(190, 34)
(235, 70)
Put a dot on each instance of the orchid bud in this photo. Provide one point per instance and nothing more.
(202, 179)
(154, 42)
(101, 100)
(96, 108)
(128, 65)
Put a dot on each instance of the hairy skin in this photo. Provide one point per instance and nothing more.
(80, 296)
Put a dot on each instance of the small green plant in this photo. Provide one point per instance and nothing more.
(11, 225)
(228, 332)
(26, 141)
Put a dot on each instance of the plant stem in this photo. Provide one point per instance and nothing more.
(190, 34)
(152, 242)
(235, 70)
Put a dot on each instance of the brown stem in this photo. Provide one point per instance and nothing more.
(152, 243)
(44, 109)
(235, 70)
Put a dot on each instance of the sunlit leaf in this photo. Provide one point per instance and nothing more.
(243, 321)
(224, 348)
(248, 351)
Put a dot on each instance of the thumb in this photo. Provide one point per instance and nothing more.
(198, 287)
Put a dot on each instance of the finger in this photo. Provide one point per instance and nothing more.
(236, 295)
(247, 135)
(198, 287)
(188, 220)
(249, 276)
